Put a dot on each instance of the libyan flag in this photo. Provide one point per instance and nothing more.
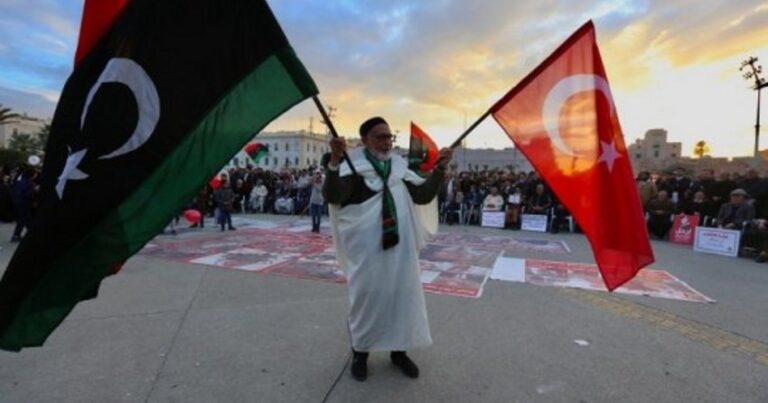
(162, 96)
(422, 151)
(256, 151)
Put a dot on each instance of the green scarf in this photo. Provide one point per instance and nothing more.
(390, 235)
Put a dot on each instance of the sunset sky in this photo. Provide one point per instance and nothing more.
(672, 64)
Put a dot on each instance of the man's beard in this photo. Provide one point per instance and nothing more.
(382, 155)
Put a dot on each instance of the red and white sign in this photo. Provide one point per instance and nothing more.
(684, 229)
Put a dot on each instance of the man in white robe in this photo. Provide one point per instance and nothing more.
(382, 215)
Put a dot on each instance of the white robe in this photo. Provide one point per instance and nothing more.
(387, 312)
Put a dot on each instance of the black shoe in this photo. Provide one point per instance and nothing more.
(762, 257)
(359, 367)
(232, 228)
(405, 364)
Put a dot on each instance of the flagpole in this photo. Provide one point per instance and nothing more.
(331, 128)
(469, 129)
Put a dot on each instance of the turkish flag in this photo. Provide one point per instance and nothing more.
(562, 117)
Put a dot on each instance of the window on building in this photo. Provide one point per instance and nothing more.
(15, 132)
(639, 156)
(287, 162)
(307, 147)
(314, 148)
(308, 163)
(656, 154)
(296, 161)
(275, 161)
(674, 155)
(266, 161)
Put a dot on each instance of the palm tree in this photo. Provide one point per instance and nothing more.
(42, 137)
(701, 149)
(6, 116)
(24, 143)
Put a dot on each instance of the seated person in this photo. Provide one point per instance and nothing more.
(514, 204)
(559, 216)
(660, 211)
(737, 213)
(494, 201)
(755, 238)
(539, 202)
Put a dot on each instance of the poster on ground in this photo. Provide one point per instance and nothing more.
(717, 241)
(684, 229)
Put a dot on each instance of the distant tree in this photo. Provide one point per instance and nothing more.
(10, 157)
(25, 144)
(701, 149)
(42, 137)
(6, 116)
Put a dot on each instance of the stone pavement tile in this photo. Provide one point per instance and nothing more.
(517, 345)
(222, 288)
(281, 352)
(144, 285)
(90, 360)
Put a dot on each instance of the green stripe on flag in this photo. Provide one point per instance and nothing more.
(273, 87)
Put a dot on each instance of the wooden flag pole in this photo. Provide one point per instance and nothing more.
(469, 129)
(332, 128)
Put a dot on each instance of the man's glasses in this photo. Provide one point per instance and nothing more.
(385, 137)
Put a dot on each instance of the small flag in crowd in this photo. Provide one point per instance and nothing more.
(164, 93)
(422, 152)
(257, 151)
(562, 117)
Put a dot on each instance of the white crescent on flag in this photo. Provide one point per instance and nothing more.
(559, 95)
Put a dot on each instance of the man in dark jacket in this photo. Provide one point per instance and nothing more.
(736, 214)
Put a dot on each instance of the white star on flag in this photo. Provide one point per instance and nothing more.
(71, 172)
(609, 154)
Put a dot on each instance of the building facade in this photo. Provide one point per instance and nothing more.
(287, 150)
(302, 150)
(654, 152)
(21, 125)
(469, 159)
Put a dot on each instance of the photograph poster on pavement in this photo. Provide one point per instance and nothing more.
(717, 241)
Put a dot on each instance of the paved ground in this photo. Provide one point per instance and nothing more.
(169, 332)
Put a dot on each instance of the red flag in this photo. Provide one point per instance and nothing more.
(98, 17)
(562, 117)
(422, 152)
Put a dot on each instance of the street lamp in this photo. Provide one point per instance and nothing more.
(753, 71)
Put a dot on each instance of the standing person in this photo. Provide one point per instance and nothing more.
(316, 201)
(201, 204)
(379, 229)
(224, 197)
(22, 193)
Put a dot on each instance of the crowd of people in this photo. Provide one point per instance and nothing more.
(729, 200)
